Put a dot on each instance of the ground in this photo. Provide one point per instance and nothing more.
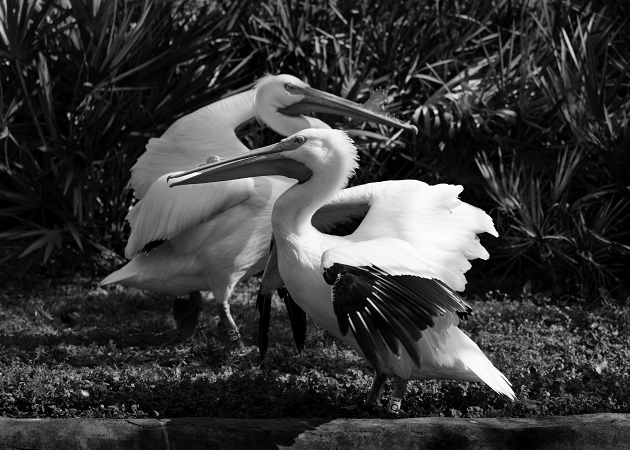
(71, 349)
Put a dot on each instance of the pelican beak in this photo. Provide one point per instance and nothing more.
(260, 162)
(320, 101)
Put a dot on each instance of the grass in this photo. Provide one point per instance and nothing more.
(71, 349)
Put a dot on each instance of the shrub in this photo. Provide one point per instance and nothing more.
(524, 103)
(84, 85)
(538, 98)
(557, 170)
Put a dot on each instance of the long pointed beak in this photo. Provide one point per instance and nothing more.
(260, 162)
(320, 101)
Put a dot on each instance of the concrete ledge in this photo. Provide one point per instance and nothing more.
(592, 431)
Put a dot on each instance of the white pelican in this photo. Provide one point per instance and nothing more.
(392, 281)
(208, 238)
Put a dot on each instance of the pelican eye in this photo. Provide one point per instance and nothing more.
(293, 89)
(293, 142)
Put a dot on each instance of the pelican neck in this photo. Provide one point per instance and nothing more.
(295, 208)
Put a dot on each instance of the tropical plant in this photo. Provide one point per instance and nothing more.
(84, 85)
(524, 103)
(558, 175)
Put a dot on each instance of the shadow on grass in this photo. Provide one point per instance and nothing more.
(84, 352)
(90, 330)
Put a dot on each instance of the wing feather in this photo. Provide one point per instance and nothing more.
(272, 281)
(387, 296)
(165, 212)
(432, 219)
(384, 318)
(189, 142)
(297, 318)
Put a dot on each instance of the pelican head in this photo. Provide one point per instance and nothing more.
(281, 101)
(298, 156)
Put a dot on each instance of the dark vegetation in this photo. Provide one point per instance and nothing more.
(70, 349)
(524, 103)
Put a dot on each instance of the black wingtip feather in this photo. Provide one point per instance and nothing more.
(331, 273)
(297, 317)
(263, 304)
(388, 326)
(342, 318)
(366, 342)
(386, 311)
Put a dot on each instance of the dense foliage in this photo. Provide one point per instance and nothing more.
(73, 350)
(524, 103)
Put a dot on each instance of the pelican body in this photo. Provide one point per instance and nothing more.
(210, 237)
(388, 288)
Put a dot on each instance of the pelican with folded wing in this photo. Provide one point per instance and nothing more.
(208, 238)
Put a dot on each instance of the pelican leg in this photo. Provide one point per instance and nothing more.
(400, 387)
(374, 396)
(186, 313)
(226, 320)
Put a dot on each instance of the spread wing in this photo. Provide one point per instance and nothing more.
(420, 220)
(387, 296)
(432, 219)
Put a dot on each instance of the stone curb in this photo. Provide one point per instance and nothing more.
(591, 431)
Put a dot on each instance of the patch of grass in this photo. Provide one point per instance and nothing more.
(70, 349)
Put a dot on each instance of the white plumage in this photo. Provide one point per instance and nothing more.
(388, 287)
(215, 235)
